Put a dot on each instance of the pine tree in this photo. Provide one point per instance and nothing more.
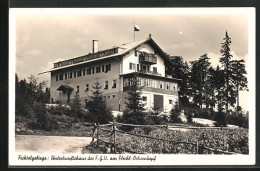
(134, 112)
(180, 69)
(238, 77)
(199, 80)
(97, 106)
(225, 61)
(217, 82)
(76, 110)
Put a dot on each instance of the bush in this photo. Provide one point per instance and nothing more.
(175, 113)
(28, 110)
(138, 118)
(238, 118)
(55, 110)
(155, 118)
(189, 117)
(20, 119)
(44, 120)
(221, 119)
(236, 140)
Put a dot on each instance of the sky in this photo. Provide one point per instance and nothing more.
(43, 38)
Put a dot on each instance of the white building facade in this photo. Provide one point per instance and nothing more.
(114, 69)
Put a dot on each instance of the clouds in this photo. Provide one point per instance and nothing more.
(33, 52)
(41, 39)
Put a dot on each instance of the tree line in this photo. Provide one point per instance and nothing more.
(208, 87)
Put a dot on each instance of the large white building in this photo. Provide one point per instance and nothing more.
(113, 69)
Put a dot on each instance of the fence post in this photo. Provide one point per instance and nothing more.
(94, 131)
(197, 147)
(97, 133)
(114, 132)
(111, 138)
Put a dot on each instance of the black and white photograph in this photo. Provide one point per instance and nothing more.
(131, 86)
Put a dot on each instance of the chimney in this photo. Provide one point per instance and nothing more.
(95, 46)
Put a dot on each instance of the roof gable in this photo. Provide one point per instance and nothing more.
(121, 50)
(151, 42)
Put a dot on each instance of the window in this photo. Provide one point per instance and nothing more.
(170, 101)
(84, 72)
(77, 89)
(154, 69)
(93, 70)
(135, 52)
(130, 65)
(75, 74)
(144, 68)
(103, 68)
(167, 86)
(89, 71)
(144, 98)
(105, 97)
(108, 97)
(98, 69)
(57, 77)
(114, 84)
(87, 87)
(106, 85)
(114, 96)
(70, 74)
(61, 77)
(137, 67)
(66, 76)
(79, 73)
(145, 82)
(108, 68)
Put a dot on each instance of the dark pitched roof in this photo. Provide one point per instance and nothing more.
(64, 88)
(122, 50)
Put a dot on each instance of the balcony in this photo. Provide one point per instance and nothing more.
(147, 58)
(152, 85)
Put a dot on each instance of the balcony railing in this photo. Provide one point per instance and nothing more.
(150, 72)
(147, 58)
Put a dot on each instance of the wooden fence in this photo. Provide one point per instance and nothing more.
(112, 136)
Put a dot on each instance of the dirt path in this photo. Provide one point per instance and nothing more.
(50, 144)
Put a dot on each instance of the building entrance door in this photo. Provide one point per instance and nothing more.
(158, 102)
